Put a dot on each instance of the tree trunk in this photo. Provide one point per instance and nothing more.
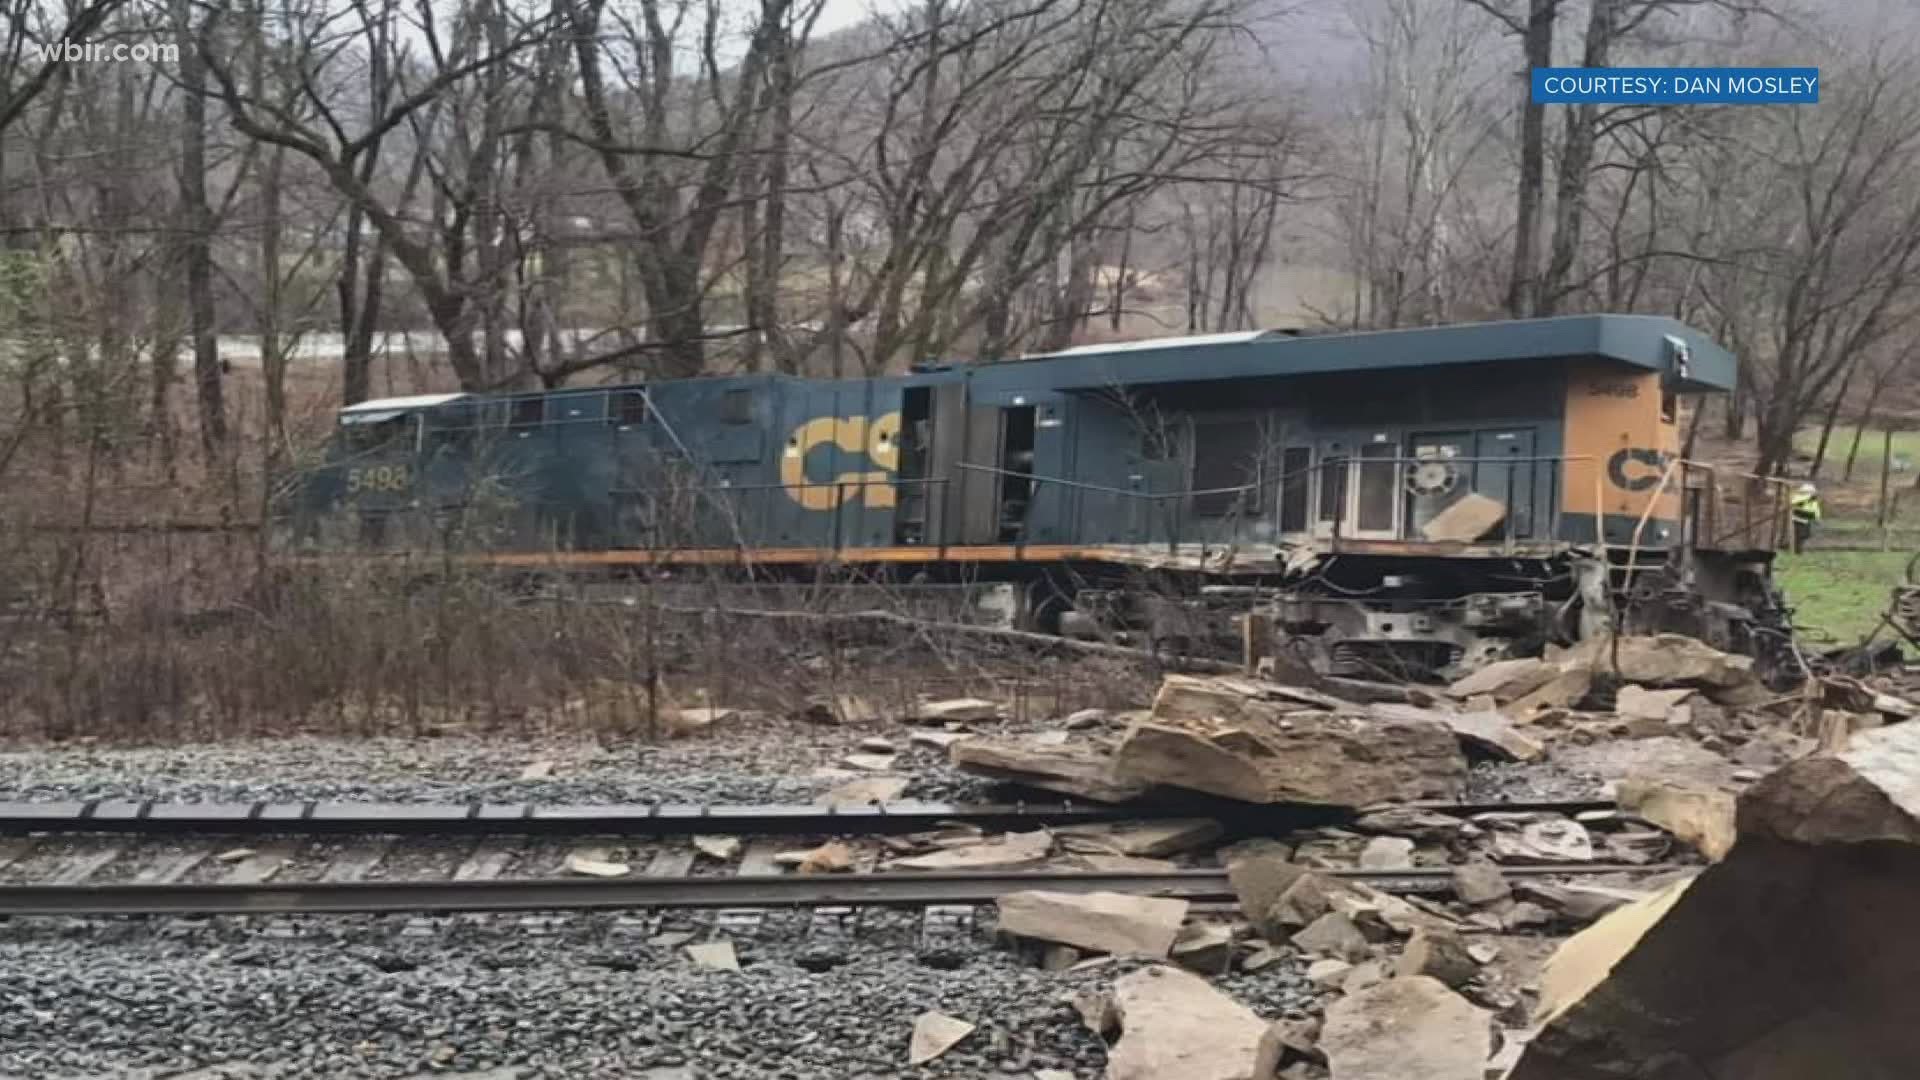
(208, 388)
(1538, 44)
(273, 364)
(1576, 162)
(1864, 421)
(1735, 428)
(1832, 417)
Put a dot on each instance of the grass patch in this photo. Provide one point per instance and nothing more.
(1839, 595)
(1905, 444)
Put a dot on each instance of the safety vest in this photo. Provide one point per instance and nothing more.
(1806, 507)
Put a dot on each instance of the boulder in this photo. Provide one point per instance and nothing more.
(1662, 660)
(1505, 680)
(1176, 1026)
(1566, 688)
(1411, 1028)
(1439, 953)
(1328, 974)
(866, 791)
(1386, 853)
(1260, 876)
(1246, 746)
(1333, 935)
(1204, 947)
(1788, 959)
(1697, 813)
(1479, 882)
(1635, 702)
(1079, 769)
(1205, 697)
(1098, 921)
(1288, 1041)
(1492, 734)
(1411, 822)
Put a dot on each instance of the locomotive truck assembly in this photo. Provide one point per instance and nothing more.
(1421, 500)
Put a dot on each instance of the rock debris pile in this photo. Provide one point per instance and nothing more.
(1776, 963)
(1761, 853)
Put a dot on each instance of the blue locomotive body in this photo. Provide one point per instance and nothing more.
(1254, 456)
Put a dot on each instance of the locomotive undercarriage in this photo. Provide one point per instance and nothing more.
(1434, 617)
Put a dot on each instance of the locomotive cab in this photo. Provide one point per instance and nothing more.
(369, 472)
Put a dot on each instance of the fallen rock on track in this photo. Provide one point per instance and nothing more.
(1409, 1028)
(1013, 849)
(1152, 839)
(1790, 958)
(1253, 741)
(1176, 1026)
(1098, 922)
(1074, 768)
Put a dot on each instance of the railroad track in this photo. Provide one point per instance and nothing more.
(758, 890)
(664, 819)
(126, 858)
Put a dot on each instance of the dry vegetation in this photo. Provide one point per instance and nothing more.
(179, 638)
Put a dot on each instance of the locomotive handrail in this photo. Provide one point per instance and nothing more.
(1398, 462)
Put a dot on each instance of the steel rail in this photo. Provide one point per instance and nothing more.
(665, 819)
(574, 894)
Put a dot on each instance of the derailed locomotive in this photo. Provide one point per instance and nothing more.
(1424, 500)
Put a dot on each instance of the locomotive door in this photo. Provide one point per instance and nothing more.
(966, 456)
(1359, 488)
(1504, 470)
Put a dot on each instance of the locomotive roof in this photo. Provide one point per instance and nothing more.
(1651, 342)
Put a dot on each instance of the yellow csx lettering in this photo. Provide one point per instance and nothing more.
(878, 438)
(378, 478)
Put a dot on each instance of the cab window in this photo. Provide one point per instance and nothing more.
(379, 432)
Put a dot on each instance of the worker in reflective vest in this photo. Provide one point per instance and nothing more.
(1806, 511)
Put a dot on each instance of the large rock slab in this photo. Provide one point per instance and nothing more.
(1082, 768)
(1176, 1026)
(1505, 680)
(1486, 731)
(1229, 737)
(1662, 660)
(1410, 1028)
(1792, 958)
(1098, 921)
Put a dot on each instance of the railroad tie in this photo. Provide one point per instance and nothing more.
(757, 861)
(14, 848)
(354, 863)
(80, 866)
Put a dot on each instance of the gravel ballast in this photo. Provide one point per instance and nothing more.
(370, 998)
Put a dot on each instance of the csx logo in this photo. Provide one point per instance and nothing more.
(1635, 468)
(878, 439)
